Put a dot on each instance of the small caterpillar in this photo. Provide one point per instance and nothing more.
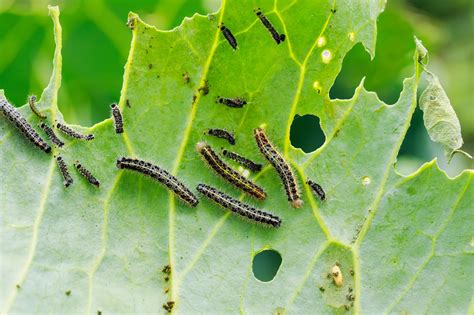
(275, 35)
(317, 189)
(238, 207)
(281, 166)
(228, 35)
(160, 175)
(21, 124)
(31, 102)
(118, 121)
(232, 102)
(87, 174)
(228, 173)
(64, 171)
(72, 133)
(223, 134)
(51, 135)
(251, 165)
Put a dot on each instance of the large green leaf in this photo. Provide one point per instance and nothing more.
(82, 249)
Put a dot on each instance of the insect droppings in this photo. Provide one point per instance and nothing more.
(279, 38)
(228, 35)
(227, 173)
(239, 208)
(34, 109)
(22, 125)
(117, 115)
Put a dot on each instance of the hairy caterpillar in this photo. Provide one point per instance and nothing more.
(238, 207)
(223, 134)
(72, 133)
(228, 173)
(228, 35)
(275, 35)
(251, 165)
(317, 189)
(34, 109)
(51, 135)
(160, 175)
(117, 115)
(64, 171)
(21, 124)
(87, 174)
(232, 102)
(281, 166)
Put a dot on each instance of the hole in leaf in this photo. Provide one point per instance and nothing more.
(392, 63)
(265, 265)
(306, 133)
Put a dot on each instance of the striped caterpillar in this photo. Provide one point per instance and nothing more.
(160, 175)
(251, 165)
(21, 124)
(34, 109)
(51, 135)
(226, 172)
(223, 134)
(279, 38)
(317, 189)
(72, 133)
(239, 208)
(117, 115)
(87, 174)
(228, 35)
(64, 171)
(281, 166)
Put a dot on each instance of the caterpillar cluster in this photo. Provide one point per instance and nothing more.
(207, 153)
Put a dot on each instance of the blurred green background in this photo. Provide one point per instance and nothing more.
(96, 43)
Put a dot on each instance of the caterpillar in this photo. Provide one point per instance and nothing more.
(64, 171)
(72, 133)
(251, 165)
(34, 109)
(21, 124)
(239, 208)
(223, 134)
(51, 135)
(228, 173)
(317, 189)
(161, 175)
(228, 35)
(275, 35)
(281, 166)
(232, 102)
(87, 174)
(118, 121)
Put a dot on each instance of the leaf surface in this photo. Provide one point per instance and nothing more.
(84, 249)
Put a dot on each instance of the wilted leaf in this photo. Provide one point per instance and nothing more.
(439, 117)
(86, 250)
